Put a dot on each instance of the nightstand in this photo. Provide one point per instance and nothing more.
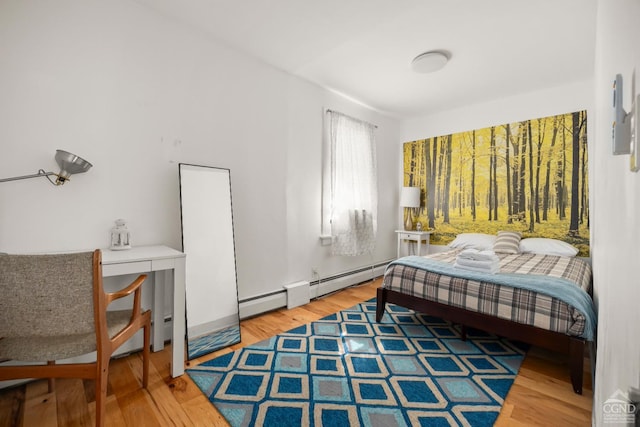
(414, 236)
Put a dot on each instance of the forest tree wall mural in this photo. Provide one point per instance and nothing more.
(529, 176)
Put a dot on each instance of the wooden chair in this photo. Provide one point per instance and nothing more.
(53, 307)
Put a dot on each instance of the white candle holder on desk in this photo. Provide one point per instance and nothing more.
(120, 236)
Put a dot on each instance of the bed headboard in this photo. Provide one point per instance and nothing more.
(529, 176)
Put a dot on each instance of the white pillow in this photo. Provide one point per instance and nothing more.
(479, 241)
(540, 245)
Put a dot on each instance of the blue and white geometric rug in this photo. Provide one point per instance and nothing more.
(348, 370)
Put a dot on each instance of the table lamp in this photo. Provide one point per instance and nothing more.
(409, 199)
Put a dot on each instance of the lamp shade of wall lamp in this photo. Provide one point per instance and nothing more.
(69, 164)
(409, 198)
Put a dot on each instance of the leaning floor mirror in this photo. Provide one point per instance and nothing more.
(213, 319)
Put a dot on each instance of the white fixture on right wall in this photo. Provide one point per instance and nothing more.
(620, 123)
(634, 121)
(624, 132)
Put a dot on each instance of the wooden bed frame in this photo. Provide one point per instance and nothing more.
(555, 341)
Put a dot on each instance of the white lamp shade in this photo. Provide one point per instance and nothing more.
(410, 197)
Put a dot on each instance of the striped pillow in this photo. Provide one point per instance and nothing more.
(507, 242)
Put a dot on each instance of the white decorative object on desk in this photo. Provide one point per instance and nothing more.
(120, 236)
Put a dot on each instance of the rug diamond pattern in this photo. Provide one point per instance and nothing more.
(348, 370)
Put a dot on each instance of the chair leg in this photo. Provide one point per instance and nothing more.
(51, 381)
(101, 390)
(146, 355)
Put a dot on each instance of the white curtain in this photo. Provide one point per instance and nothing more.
(354, 192)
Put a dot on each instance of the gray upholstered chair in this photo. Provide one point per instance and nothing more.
(53, 307)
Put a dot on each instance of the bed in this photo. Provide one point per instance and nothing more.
(542, 299)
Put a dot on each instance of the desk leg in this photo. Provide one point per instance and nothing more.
(398, 251)
(178, 338)
(419, 243)
(157, 313)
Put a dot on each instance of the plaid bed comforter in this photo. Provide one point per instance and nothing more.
(505, 302)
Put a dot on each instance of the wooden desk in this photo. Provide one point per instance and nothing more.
(163, 265)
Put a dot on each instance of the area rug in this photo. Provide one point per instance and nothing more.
(348, 370)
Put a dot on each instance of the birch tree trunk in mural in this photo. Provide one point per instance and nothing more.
(522, 191)
(439, 178)
(447, 182)
(430, 181)
(507, 162)
(473, 176)
(575, 174)
(515, 210)
(461, 194)
(561, 174)
(545, 195)
(584, 194)
(434, 178)
(491, 179)
(414, 165)
(494, 190)
(541, 133)
(531, 187)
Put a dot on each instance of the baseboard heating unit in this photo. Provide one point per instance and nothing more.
(300, 293)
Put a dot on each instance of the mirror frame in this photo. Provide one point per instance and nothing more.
(202, 216)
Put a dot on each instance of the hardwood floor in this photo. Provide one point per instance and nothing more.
(541, 394)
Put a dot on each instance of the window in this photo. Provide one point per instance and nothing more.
(350, 196)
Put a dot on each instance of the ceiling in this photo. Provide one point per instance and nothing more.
(363, 48)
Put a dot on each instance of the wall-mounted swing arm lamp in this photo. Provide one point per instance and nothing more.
(69, 164)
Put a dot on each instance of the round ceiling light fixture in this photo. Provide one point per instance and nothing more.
(431, 61)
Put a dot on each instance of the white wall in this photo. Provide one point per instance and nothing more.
(615, 209)
(135, 94)
(549, 102)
